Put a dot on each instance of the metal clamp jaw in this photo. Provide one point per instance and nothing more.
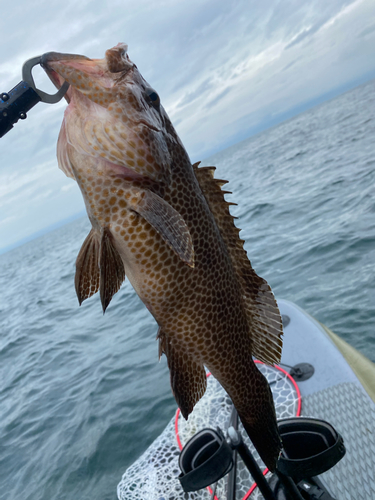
(28, 78)
(15, 104)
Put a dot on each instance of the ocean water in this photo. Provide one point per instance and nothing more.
(82, 395)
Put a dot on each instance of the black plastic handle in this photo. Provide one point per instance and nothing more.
(15, 104)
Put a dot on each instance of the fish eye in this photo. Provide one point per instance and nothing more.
(153, 96)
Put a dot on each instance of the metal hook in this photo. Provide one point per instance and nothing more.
(28, 78)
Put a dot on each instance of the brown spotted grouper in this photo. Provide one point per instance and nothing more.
(164, 223)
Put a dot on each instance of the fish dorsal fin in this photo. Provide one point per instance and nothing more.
(112, 271)
(260, 305)
(98, 267)
(188, 377)
(87, 276)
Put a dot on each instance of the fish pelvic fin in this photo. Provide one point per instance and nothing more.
(167, 222)
(98, 267)
(63, 159)
(188, 377)
(112, 271)
(87, 276)
(259, 421)
(263, 315)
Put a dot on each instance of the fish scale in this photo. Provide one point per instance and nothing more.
(166, 225)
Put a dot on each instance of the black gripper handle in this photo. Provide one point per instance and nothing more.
(15, 104)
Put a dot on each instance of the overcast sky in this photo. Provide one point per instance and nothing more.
(224, 70)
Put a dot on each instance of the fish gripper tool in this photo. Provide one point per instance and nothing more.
(15, 104)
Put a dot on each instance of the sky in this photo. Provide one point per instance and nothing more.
(224, 70)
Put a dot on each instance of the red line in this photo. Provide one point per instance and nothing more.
(176, 428)
(253, 486)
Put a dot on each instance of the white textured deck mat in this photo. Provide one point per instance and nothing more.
(352, 413)
(154, 475)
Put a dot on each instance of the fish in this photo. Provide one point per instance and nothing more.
(164, 224)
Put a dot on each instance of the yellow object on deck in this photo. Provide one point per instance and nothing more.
(362, 366)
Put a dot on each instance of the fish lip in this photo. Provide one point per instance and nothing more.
(55, 78)
(58, 81)
(59, 56)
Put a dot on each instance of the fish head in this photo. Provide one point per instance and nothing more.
(113, 114)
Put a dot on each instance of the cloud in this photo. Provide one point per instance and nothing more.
(368, 31)
(68, 187)
(218, 97)
(303, 35)
(223, 70)
(8, 220)
(191, 95)
(282, 76)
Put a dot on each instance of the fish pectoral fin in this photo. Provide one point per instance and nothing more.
(112, 271)
(168, 223)
(188, 377)
(87, 276)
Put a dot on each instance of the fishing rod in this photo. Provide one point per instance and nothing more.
(15, 104)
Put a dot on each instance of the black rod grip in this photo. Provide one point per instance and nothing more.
(15, 104)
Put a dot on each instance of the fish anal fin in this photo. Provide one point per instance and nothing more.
(112, 271)
(87, 267)
(188, 377)
(265, 327)
(167, 222)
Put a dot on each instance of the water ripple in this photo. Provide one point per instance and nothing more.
(82, 394)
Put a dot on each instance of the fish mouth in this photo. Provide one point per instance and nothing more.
(69, 68)
(58, 82)
(49, 59)
(99, 73)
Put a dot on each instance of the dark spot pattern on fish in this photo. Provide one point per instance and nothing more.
(167, 224)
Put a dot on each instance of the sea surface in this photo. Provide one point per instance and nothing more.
(82, 395)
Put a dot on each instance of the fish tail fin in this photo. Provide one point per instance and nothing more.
(259, 421)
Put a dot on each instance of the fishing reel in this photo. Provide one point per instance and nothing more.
(15, 104)
(311, 447)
